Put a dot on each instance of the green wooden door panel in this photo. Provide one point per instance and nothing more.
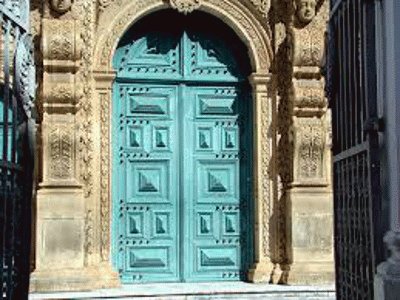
(146, 182)
(181, 181)
(212, 195)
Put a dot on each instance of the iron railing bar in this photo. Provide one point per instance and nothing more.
(351, 152)
(340, 81)
(16, 22)
(344, 76)
(335, 8)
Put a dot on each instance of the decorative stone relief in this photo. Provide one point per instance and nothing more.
(85, 102)
(310, 145)
(61, 6)
(61, 147)
(89, 233)
(105, 173)
(185, 6)
(308, 41)
(309, 98)
(60, 40)
(232, 9)
(262, 6)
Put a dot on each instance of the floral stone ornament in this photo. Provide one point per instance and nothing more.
(61, 6)
(185, 6)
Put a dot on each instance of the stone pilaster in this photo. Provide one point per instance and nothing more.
(264, 170)
(310, 202)
(62, 219)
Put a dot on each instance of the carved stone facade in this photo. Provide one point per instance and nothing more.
(75, 42)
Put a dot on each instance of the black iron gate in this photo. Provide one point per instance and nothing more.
(352, 89)
(17, 84)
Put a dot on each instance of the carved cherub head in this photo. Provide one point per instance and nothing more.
(306, 10)
(61, 6)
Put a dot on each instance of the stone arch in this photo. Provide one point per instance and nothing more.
(252, 29)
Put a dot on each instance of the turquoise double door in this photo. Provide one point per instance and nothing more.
(182, 160)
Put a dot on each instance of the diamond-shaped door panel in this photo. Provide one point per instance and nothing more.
(148, 181)
(217, 181)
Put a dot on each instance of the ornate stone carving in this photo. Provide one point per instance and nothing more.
(61, 6)
(308, 41)
(61, 147)
(185, 6)
(85, 102)
(248, 30)
(305, 10)
(89, 233)
(62, 93)
(262, 6)
(105, 176)
(60, 40)
(310, 138)
(104, 3)
(309, 98)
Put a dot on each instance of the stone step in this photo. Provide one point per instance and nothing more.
(201, 291)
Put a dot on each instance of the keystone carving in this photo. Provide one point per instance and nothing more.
(185, 6)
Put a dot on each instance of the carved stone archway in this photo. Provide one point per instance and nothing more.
(253, 31)
(74, 197)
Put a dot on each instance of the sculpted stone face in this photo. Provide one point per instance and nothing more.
(306, 10)
(61, 6)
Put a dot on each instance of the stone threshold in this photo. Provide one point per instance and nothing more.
(223, 290)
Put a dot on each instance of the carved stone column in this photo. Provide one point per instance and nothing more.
(61, 207)
(264, 170)
(310, 202)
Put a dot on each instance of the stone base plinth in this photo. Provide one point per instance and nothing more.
(85, 279)
(311, 273)
(261, 272)
(310, 230)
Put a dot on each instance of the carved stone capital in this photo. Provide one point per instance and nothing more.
(185, 6)
(309, 98)
(61, 44)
